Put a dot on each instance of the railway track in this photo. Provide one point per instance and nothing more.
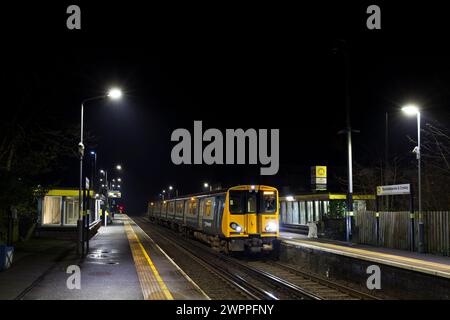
(248, 287)
(323, 288)
(260, 280)
(216, 284)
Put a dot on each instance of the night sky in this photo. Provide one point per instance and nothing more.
(261, 66)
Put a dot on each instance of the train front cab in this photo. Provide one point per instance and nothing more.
(250, 219)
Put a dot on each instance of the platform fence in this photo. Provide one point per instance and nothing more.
(395, 230)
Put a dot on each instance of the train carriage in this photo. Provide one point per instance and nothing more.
(240, 218)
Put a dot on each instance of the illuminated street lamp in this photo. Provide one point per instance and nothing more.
(207, 185)
(119, 167)
(112, 94)
(115, 93)
(413, 110)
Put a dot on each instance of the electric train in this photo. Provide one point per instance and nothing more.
(240, 218)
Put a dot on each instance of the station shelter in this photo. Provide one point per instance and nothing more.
(327, 210)
(58, 212)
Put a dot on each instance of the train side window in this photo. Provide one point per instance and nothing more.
(208, 207)
(179, 208)
(171, 207)
(193, 207)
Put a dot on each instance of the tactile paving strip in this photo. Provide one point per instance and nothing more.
(153, 286)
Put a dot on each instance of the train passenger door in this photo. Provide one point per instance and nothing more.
(251, 220)
(220, 201)
(200, 213)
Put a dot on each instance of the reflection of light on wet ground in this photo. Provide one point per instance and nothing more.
(100, 256)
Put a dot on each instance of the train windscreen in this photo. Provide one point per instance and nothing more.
(243, 201)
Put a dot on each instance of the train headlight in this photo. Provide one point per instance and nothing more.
(235, 226)
(271, 226)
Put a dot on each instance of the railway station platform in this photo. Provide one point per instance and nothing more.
(421, 275)
(426, 263)
(123, 264)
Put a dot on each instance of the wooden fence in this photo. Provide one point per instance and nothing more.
(395, 230)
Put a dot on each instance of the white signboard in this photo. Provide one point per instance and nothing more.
(393, 189)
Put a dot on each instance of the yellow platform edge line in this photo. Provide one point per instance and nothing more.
(160, 281)
(384, 255)
(185, 275)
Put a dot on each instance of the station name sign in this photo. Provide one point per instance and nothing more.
(393, 189)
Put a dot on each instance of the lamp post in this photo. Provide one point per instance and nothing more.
(112, 94)
(412, 110)
(90, 204)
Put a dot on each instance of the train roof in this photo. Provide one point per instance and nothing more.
(214, 192)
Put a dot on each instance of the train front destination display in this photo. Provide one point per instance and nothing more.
(201, 160)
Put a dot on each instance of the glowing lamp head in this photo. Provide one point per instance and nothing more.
(115, 93)
(119, 167)
(206, 185)
(410, 110)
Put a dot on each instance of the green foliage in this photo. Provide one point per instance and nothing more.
(337, 209)
(34, 146)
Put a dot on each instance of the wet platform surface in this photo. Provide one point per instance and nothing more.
(426, 263)
(161, 278)
(123, 264)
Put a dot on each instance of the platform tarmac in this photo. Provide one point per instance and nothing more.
(123, 264)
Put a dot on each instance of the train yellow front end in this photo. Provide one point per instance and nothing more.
(250, 218)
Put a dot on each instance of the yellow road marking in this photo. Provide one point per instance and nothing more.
(146, 287)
